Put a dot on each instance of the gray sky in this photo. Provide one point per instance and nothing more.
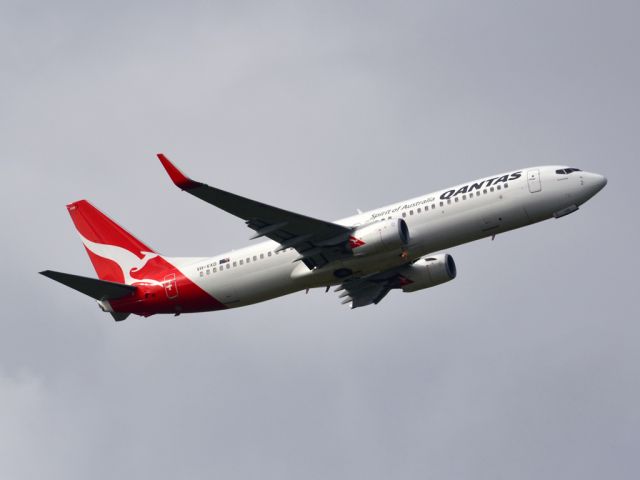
(526, 366)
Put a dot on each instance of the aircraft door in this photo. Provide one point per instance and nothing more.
(170, 286)
(533, 178)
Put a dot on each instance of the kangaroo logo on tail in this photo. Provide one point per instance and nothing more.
(128, 262)
(104, 240)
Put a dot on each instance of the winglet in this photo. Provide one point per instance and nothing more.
(179, 178)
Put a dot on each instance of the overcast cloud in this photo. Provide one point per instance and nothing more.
(526, 366)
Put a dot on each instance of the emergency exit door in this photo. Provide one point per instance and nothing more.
(533, 177)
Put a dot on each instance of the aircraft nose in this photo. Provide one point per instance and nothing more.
(601, 181)
(597, 182)
(592, 183)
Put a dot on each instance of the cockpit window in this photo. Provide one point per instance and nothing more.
(567, 171)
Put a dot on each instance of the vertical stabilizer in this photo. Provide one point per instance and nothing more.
(114, 252)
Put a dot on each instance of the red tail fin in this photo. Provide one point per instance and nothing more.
(113, 251)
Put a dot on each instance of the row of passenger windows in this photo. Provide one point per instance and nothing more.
(457, 199)
(235, 263)
(227, 265)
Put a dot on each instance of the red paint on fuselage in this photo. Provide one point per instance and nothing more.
(151, 298)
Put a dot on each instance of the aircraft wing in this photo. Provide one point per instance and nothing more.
(371, 289)
(361, 292)
(318, 242)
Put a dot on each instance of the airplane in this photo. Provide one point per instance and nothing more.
(365, 256)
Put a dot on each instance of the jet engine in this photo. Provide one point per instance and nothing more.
(428, 272)
(383, 236)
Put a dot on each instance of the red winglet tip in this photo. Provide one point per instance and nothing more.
(179, 178)
(73, 205)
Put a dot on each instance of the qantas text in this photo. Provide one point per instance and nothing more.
(479, 185)
(449, 193)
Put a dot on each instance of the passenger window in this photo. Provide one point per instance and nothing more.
(255, 257)
(506, 185)
(484, 191)
(419, 210)
(464, 197)
(261, 256)
(235, 264)
(410, 212)
(491, 189)
(499, 187)
(457, 199)
(269, 253)
(214, 270)
(248, 259)
(442, 204)
(201, 273)
(448, 201)
(208, 272)
(228, 266)
(404, 214)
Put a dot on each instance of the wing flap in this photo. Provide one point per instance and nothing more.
(361, 292)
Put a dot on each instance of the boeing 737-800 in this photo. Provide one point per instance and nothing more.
(365, 256)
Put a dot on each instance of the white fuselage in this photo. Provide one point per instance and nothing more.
(436, 221)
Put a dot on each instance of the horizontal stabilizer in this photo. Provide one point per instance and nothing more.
(98, 289)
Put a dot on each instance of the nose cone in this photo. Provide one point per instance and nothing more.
(600, 181)
(595, 182)
(592, 183)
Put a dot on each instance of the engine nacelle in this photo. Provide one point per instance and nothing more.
(428, 272)
(384, 236)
